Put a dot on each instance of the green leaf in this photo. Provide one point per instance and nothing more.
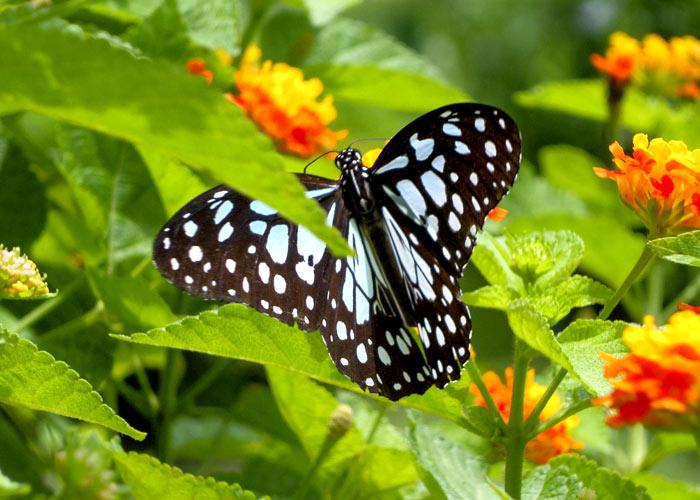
(532, 328)
(112, 189)
(682, 249)
(385, 88)
(162, 34)
(34, 379)
(88, 351)
(130, 302)
(55, 73)
(351, 42)
(583, 341)
(215, 24)
(10, 488)
(604, 482)
(492, 259)
(323, 11)
(176, 183)
(545, 483)
(663, 488)
(148, 478)
(307, 407)
(239, 332)
(543, 258)
(491, 297)
(457, 472)
(575, 291)
(359, 65)
(611, 248)
(588, 99)
(377, 472)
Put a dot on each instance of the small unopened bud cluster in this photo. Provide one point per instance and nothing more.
(19, 277)
(340, 421)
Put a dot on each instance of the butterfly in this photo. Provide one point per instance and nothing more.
(391, 315)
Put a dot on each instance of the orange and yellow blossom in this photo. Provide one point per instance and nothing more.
(663, 67)
(660, 181)
(621, 58)
(548, 444)
(285, 106)
(658, 382)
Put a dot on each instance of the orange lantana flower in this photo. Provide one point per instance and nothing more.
(621, 58)
(198, 66)
(548, 444)
(660, 181)
(285, 106)
(659, 66)
(658, 382)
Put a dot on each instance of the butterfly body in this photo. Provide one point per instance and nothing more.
(390, 315)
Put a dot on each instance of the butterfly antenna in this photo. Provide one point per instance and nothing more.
(318, 158)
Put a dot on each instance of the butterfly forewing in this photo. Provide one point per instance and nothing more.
(223, 246)
(447, 170)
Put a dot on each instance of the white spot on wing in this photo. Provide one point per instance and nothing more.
(435, 187)
(422, 147)
(451, 129)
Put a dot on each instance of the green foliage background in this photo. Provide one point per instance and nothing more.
(103, 135)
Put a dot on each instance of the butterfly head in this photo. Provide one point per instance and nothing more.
(349, 159)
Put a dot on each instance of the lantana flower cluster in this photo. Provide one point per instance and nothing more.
(19, 276)
(660, 181)
(281, 102)
(658, 382)
(658, 66)
(548, 444)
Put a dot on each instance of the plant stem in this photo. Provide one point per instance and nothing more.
(377, 420)
(167, 393)
(328, 444)
(571, 410)
(532, 420)
(475, 376)
(515, 437)
(644, 259)
(149, 395)
(202, 383)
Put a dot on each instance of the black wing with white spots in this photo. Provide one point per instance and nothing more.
(436, 181)
(390, 315)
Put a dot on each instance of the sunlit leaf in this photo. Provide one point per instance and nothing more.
(239, 332)
(148, 478)
(681, 249)
(583, 341)
(604, 483)
(149, 102)
(454, 469)
(33, 379)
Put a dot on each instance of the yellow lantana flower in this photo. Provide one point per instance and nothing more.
(660, 181)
